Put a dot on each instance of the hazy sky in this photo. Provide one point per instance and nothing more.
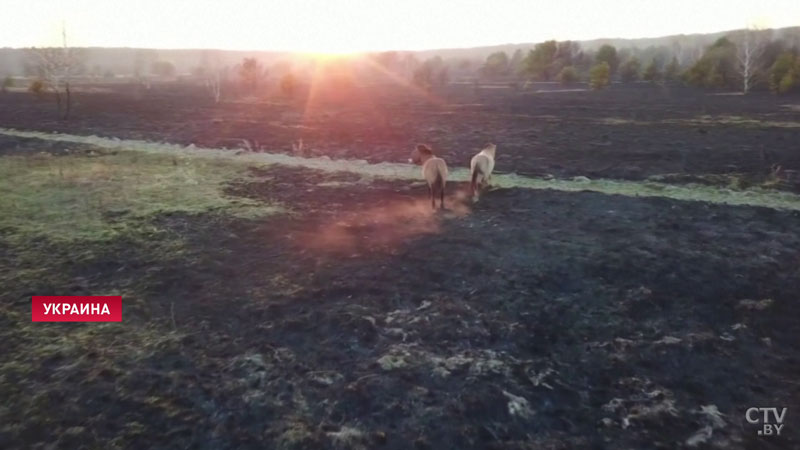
(352, 25)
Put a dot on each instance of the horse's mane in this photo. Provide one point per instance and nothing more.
(422, 148)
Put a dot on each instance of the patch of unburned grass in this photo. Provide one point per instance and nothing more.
(77, 196)
(753, 196)
(621, 121)
(705, 120)
(733, 181)
(744, 121)
(757, 196)
(98, 223)
(736, 120)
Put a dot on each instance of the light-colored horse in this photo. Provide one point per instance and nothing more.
(481, 167)
(434, 170)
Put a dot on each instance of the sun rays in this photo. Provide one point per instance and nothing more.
(333, 78)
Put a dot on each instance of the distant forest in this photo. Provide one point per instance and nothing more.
(736, 60)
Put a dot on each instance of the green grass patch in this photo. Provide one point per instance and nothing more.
(762, 195)
(84, 197)
(731, 195)
(737, 120)
(102, 223)
(705, 120)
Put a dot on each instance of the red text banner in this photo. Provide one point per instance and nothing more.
(59, 308)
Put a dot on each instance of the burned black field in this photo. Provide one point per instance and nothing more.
(629, 131)
(351, 316)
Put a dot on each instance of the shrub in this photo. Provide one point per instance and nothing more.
(496, 64)
(784, 75)
(600, 75)
(608, 54)
(431, 73)
(673, 70)
(651, 72)
(251, 73)
(36, 87)
(788, 82)
(423, 77)
(443, 77)
(8, 82)
(288, 85)
(568, 75)
(162, 68)
(629, 71)
(541, 63)
(716, 68)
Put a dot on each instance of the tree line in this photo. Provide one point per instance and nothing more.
(745, 60)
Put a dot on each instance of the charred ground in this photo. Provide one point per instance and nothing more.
(631, 132)
(357, 318)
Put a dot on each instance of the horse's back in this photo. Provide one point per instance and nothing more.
(482, 162)
(434, 169)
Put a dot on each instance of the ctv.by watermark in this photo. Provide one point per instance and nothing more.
(770, 419)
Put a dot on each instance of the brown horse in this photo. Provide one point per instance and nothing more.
(434, 170)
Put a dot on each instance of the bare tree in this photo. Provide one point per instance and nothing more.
(214, 85)
(409, 64)
(748, 56)
(56, 66)
(213, 77)
(143, 59)
(677, 50)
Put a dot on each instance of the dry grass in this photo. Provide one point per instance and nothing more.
(219, 159)
(79, 196)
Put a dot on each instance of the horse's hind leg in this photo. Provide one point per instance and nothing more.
(433, 196)
(441, 197)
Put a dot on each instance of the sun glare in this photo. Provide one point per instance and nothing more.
(329, 55)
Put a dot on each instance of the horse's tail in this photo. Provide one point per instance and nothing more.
(438, 182)
(474, 184)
